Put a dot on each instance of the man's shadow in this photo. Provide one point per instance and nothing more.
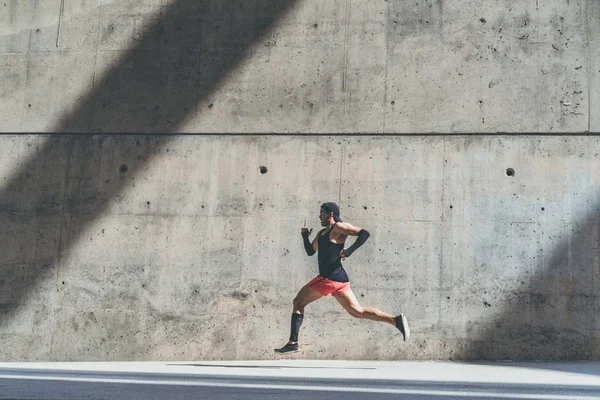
(68, 181)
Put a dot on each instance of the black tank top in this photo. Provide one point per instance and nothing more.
(330, 263)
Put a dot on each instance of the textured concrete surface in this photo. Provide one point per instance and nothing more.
(594, 29)
(299, 66)
(144, 248)
(117, 247)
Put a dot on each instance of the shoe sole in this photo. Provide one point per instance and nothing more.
(406, 328)
(287, 352)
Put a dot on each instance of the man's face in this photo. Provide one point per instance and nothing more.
(324, 217)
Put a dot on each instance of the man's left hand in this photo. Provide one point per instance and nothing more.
(344, 255)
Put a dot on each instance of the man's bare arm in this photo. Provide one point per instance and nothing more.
(350, 230)
(347, 229)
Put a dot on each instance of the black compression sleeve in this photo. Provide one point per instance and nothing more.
(296, 323)
(363, 235)
(308, 245)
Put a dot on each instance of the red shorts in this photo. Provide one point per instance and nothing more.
(327, 287)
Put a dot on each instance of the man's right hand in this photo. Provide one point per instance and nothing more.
(306, 232)
(308, 246)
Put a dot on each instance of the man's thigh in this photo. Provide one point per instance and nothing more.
(307, 295)
(348, 300)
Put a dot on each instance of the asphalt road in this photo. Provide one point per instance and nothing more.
(259, 382)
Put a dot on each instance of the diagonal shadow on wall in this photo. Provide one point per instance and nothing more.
(70, 180)
(554, 315)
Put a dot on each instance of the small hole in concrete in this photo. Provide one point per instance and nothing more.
(510, 172)
(123, 168)
(543, 209)
(263, 170)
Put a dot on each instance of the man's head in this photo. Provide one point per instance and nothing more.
(329, 210)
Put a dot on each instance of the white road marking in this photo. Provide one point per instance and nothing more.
(455, 393)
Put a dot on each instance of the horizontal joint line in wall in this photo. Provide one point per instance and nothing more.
(297, 134)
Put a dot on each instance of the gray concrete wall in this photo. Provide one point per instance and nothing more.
(145, 248)
(120, 246)
(299, 66)
(594, 46)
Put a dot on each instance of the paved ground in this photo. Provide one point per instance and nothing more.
(300, 380)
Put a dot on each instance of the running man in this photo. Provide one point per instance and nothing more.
(332, 278)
